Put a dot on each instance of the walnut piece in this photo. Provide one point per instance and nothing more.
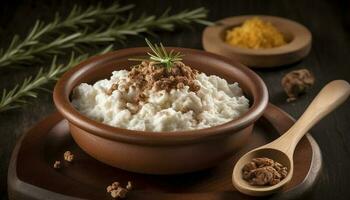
(121, 192)
(129, 185)
(57, 164)
(68, 156)
(109, 189)
(263, 171)
(116, 191)
(115, 185)
(114, 194)
(297, 82)
(262, 162)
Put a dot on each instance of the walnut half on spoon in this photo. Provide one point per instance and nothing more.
(282, 149)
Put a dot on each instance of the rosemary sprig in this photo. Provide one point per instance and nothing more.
(33, 47)
(113, 33)
(21, 51)
(18, 95)
(160, 56)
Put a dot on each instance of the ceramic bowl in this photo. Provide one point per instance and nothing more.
(166, 152)
(297, 36)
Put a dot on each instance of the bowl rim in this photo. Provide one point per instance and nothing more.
(61, 99)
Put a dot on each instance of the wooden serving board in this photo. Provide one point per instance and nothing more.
(31, 174)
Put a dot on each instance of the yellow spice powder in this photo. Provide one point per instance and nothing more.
(255, 34)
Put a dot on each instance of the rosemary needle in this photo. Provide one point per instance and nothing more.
(160, 56)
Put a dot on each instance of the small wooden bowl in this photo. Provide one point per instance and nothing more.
(298, 45)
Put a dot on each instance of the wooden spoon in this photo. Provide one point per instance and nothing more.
(282, 149)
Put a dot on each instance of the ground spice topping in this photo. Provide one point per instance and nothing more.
(163, 70)
(149, 75)
(255, 34)
(264, 171)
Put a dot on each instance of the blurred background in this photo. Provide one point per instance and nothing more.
(328, 21)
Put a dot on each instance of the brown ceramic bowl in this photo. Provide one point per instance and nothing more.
(165, 152)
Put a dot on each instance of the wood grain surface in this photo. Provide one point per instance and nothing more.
(328, 21)
(88, 178)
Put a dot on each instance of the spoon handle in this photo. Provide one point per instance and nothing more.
(328, 99)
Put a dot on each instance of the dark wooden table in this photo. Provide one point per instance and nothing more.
(329, 59)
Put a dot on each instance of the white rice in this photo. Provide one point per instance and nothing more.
(216, 102)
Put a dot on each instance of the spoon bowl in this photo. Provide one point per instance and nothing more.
(282, 149)
(274, 154)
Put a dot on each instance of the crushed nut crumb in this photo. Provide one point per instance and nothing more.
(121, 192)
(109, 189)
(112, 88)
(117, 191)
(296, 83)
(115, 185)
(264, 171)
(114, 193)
(129, 185)
(68, 156)
(57, 164)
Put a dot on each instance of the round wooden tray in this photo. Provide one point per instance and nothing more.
(298, 46)
(31, 174)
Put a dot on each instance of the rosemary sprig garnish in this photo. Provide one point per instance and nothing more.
(34, 44)
(19, 94)
(32, 48)
(160, 56)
